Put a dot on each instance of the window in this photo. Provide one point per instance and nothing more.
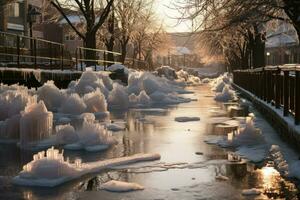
(69, 37)
(13, 10)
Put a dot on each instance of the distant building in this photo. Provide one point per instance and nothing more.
(282, 45)
(16, 15)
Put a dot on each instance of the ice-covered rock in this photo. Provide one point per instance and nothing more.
(120, 186)
(116, 67)
(35, 124)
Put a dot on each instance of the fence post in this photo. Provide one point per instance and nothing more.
(81, 61)
(62, 57)
(104, 58)
(297, 97)
(76, 58)
(18, 51)
(34, 53)
(50, 51)
(286, 93)
(277, 88)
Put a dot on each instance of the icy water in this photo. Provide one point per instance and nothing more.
(187, 169)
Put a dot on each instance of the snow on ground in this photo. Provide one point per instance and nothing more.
(120, 186)
(49, 169)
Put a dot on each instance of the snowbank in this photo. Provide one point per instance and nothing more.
(52, 169)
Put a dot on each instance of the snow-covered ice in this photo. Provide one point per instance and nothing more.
(120, 186)
(49, 169)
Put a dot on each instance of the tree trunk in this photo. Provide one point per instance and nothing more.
(124, 52)
(110, 47)
(90, 42)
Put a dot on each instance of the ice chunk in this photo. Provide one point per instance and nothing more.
(120, 186)
(94, 134)
(221, 178)
(115, 127)
(10, 128)
(187, 119)
(65, 134)
(167, 72)
(252, 191)
(51, 169)
(118, 97)
(73, 105)
(51, 95)
(35, 124)
(89, 82)
(12, 102)
(95, 102)
(226, 95)
(143, 98)
(116, 67)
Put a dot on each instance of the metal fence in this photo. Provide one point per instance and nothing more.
(101, 58)
(278, 85)
(27, 52)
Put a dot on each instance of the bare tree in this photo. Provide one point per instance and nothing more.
(128, 14)
(94, 12)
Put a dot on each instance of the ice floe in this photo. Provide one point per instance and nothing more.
(187, 119)
(120, 186)
(49, 169)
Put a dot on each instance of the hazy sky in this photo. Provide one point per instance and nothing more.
(167, 15)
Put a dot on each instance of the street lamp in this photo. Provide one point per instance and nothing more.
(268, 56)
(32, 17)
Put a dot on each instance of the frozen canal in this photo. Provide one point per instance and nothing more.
(187, 170)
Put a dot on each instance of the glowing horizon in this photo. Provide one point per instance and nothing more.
(167, 14)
